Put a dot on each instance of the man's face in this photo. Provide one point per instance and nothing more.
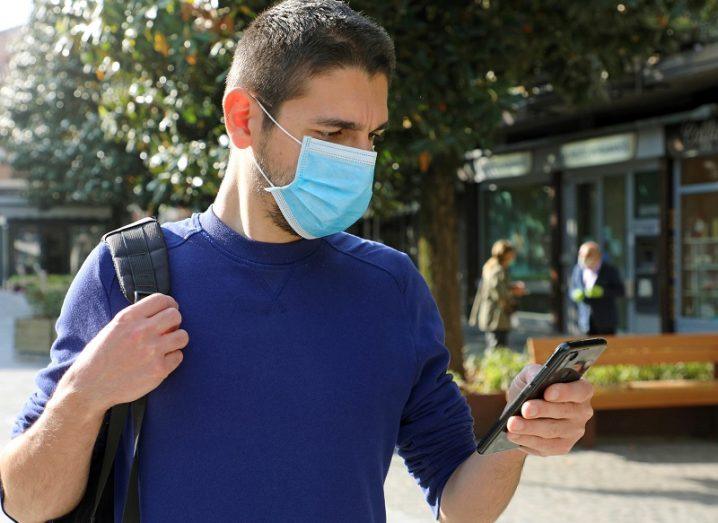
(343, 106)
(591, 259)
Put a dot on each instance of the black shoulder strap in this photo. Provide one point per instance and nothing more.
(140, 257)
(139, 254)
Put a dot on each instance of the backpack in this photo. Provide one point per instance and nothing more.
(139, 255)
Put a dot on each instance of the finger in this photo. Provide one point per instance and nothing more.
(173, 360)
(174, 340)
(152, 304)
(545, 428)
(576, 392)
(166, 320)
(541, 446)
(533, 409)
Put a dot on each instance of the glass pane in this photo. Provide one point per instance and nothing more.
(699, 275)
(522, 215)
(646, 192)
(55, 249)
(27, 250)
(83, 238)
(586, 195)
(700, 170)
(613, 240)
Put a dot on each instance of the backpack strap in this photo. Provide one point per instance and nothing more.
(139, 255)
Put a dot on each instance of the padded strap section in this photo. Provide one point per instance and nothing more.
(140, 256)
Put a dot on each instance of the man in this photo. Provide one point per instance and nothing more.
(595, 285)
(305, 354)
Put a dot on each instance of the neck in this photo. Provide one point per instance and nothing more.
(244, 207)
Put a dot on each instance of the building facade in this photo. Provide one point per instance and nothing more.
(638, 175)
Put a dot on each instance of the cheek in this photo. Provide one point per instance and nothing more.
(282, 162)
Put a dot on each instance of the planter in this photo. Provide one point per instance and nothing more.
(486, 409)
(34, 335)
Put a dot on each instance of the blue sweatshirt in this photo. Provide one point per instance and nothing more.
(307, 364)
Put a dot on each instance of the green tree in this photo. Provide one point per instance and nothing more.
(50, 125)
(463, 66)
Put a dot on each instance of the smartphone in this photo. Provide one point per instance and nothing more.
(568, 363)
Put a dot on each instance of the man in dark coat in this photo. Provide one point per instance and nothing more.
(595, 285)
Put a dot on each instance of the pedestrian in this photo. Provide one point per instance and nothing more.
(595, 285)
(496, 297)
(292, 358)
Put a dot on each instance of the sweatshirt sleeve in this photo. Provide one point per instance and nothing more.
(436, 429)
(85, 310)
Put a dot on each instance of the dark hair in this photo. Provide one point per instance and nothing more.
(296, 39)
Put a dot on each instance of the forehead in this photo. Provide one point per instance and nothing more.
(350, 94)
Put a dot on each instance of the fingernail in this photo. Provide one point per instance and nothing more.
(518, 424)
(552, 394)
(530, 410)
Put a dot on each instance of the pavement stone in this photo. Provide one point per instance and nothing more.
(619, 481)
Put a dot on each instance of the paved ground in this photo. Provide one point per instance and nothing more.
(619, 481)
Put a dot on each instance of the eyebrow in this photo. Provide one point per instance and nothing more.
(345, 124)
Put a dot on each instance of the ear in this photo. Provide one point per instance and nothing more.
(237, 104)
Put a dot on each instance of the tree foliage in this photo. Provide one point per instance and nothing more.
(50, 125)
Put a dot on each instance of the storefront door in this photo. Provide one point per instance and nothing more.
(619, 210)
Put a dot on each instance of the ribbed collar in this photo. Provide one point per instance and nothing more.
(243, 247)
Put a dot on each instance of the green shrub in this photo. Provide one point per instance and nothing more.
(615, 374)
(494, 371)
(44, 294)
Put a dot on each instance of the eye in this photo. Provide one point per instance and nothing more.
(329, 134)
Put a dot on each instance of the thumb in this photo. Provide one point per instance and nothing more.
(522, 379)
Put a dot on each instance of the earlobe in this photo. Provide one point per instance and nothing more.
(236, 106)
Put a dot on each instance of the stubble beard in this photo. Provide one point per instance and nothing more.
(277, 178)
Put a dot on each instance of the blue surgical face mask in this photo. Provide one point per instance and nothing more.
(332, 186)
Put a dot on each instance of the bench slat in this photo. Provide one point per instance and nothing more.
(641, 350)
(656, 394)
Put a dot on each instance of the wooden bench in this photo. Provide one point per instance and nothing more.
(646, 350)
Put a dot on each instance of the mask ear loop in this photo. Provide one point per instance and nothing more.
(275, 121)
(256, 163)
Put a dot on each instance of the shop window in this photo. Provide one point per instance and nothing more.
(646, 195)
(522, 215)
(83, 238)
(699, 222)
(700, 170)
(27, 250)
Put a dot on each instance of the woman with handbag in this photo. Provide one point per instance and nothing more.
(495, 299)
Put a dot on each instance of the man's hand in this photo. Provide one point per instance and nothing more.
(595, 292)
(554, 424)
(578, 295)
(131, 355)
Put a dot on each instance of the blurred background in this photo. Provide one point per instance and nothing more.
(544, 123)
